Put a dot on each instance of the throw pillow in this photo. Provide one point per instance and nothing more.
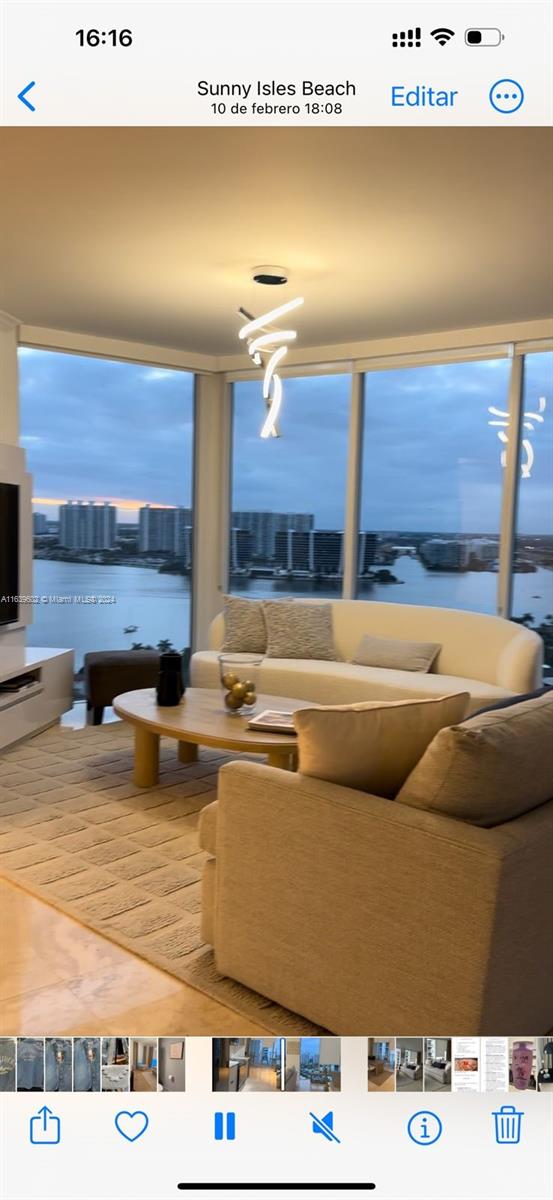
(296, 630)
(396, 654)
(374, 745)
(491, 768)
(245, 630)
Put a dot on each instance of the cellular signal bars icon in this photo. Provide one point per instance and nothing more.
(409, 38)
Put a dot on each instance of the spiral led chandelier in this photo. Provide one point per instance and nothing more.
(527, 424)
(267, 347)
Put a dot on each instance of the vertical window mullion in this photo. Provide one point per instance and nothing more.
(511, 481)
(353, 489)
(211, 502)
(226, 492)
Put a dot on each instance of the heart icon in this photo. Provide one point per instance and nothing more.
(131, 1125)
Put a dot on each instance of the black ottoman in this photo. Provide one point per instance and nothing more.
(108, 673)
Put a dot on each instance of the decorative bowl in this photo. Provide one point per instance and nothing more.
(238, 673)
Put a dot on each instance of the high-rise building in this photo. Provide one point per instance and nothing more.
(283, 550)
(39, 523)
(483, 550)
(368, 543)
(183, 534)
(264, 527)
(449, 554)
(184, 544)
(165, 530)
(318, 551)
(87, 526)
(241, 542)
(327, 551)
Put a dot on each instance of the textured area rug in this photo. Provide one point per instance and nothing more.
(78, 833)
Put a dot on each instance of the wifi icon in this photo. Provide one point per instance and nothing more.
(443, 36)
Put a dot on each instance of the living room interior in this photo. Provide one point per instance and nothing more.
(437, 1064)
(302, 437)
(312, 1064)
(381, 1055)
(247, 1064)
(409, 1064)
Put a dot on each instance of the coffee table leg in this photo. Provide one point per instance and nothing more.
(281, 759)
(188, 752)
(146, 756)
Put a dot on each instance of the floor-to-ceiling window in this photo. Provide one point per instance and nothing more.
(288, 492)
(110, 448)
(431, 484)
(532, 600)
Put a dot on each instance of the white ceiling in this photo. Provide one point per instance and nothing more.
(151, 234)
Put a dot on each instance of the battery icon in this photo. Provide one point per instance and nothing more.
(484, 37)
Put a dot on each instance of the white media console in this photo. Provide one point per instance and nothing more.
(49, 693)
(40, 702)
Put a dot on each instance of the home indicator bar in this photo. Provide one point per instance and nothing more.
(277, 1187)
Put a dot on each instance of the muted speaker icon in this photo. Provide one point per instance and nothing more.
(324, 1125)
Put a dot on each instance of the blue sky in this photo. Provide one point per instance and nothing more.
(430, 459)
(96, 429)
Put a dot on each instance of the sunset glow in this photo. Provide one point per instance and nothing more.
(126, 505)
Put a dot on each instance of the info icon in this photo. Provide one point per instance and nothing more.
(424, 1127)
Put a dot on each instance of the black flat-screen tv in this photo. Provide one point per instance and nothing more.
(9, 552)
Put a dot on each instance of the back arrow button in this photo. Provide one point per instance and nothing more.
(22, 95)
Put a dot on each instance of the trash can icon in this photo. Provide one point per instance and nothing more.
(507, 1125)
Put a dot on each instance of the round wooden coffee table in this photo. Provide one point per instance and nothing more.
(201, 720)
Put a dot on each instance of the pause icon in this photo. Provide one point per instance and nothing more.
(225, 1127)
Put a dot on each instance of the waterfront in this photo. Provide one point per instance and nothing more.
(159, 604)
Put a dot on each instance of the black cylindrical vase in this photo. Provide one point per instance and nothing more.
(170, 686)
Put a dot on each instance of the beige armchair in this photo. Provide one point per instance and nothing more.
(363, 913)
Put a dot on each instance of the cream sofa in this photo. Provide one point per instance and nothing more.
(362, 913)
(441, 1073)
(484, 655)
(411, 1070)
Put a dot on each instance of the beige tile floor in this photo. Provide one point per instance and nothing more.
(58, 977)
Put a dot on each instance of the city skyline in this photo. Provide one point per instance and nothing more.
(442, 474)
(259, 541)
(270, 513)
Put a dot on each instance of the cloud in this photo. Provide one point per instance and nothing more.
(430, 460)
(158, 375)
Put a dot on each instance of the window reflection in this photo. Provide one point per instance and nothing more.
(533, 565)
(431, 485)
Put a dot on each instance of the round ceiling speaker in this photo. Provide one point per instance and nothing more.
(270, 276)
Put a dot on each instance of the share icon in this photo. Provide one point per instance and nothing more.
(325, 1125)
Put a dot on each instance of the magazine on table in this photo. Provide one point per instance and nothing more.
(272, 721)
